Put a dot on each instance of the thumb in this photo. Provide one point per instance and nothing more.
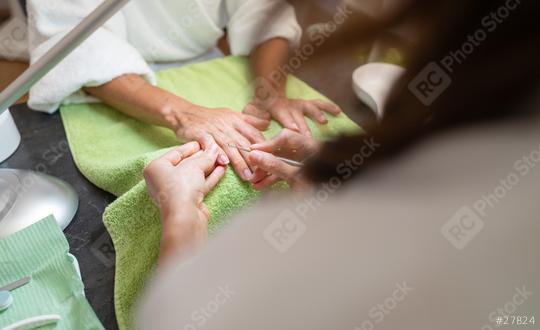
(206, 160)
(207, 141)
(267, 146)
(273, 165)
(278, 142)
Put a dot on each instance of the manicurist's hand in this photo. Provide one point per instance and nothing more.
(288, 144)
(178, 182)
(291, 113)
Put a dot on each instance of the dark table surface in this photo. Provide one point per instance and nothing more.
(44, 148)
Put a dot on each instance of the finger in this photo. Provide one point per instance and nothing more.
(241, 141)
(285, 118)
(249, 132)
(206, 160)
(252, 110)
(266, 182)
(175, 155)
(301, 122)
(206, 141)
(278, 142)
(213, 179)
(267, 146)
(259, 175)
(271, 164)
(258, 123)
(327, 106)
(237, 160)
(314, 113)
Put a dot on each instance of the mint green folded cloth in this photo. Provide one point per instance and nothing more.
(111, 150)
(41, 251)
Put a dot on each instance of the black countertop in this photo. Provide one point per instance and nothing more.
(44, 148)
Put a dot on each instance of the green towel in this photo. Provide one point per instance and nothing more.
(41, 251)
(111, 150)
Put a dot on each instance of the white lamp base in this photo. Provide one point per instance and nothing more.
(9, 136)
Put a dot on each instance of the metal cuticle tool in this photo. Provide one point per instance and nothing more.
(283, 159)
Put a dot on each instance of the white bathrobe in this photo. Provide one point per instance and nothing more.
(145, 32)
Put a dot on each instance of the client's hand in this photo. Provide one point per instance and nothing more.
(224, 127)
(288, 144)
(290, 112)
(177, 183)
(135, 97)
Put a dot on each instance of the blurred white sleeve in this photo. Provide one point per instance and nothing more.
(253, 22)
(105, 55)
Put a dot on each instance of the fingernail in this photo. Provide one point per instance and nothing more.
(294, 126)
(247, 174)
(224, 159)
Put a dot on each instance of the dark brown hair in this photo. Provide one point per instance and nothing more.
(487, 84)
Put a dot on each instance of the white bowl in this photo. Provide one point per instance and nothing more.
(9, 136)
(373, 83)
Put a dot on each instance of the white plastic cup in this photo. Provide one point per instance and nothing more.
(9, 136)
(373, 83)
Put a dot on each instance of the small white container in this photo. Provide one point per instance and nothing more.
(373, 83)
(9, 136)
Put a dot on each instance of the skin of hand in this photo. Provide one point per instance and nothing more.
(291, 113)
(270, 100)
(177, 183)
(224, 127)
(288, 144)
(134, 96)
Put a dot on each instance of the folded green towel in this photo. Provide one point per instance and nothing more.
(41, 251)
(112, 149)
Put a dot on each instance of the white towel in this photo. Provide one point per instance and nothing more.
(145, 31)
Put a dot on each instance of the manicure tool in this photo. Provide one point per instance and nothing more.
(285, 160)
(6, 299)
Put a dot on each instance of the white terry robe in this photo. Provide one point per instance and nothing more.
(144, 32)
